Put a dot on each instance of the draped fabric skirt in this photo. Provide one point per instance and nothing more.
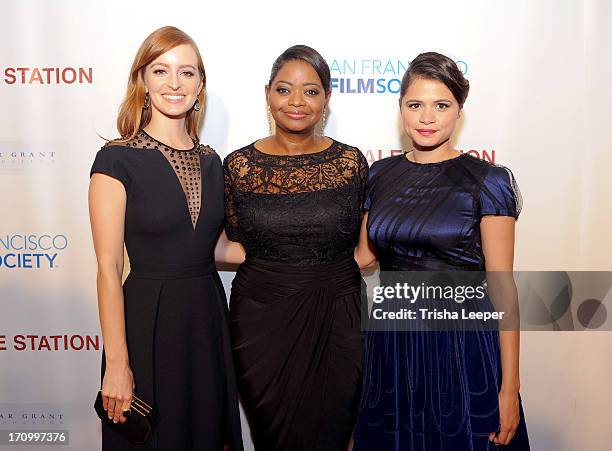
(180, 355)
(298, 347)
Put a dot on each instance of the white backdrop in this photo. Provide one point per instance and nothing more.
(540, 78)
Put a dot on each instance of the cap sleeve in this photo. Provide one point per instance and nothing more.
(110, 161)
(500, 195)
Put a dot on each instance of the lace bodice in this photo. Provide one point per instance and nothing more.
(299, 209)
(185, 163)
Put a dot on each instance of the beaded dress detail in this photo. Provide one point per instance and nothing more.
(186, 166)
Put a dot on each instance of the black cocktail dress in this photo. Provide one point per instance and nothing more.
(295, 302)
(175, 307)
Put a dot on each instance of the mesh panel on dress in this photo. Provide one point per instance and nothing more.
(184, 163)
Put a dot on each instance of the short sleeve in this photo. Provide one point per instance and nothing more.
(110, 161)
(231, 216)
(500, 195)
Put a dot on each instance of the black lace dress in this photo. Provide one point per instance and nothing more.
(295, 302)
(175, 308)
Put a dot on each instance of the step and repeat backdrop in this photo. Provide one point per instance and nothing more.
(539, 103)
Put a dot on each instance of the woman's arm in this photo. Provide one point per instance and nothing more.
(365, 255)
(227, 251)
(497, 233)
(107, 201)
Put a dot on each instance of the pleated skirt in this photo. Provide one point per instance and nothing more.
(180, 355)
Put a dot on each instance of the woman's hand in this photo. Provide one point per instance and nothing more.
(497, 234)
(117, 391)
(107, 201)
(508, 417)
(227, 251)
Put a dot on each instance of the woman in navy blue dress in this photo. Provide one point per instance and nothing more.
(435, 209)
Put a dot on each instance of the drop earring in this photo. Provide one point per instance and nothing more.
(321, 125)
(269, 115)
(196, 105)
(147, 102)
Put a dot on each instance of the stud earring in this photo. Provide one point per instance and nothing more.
(196, 105)
(147, 102)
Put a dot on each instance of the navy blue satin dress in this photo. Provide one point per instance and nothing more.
(433, 391)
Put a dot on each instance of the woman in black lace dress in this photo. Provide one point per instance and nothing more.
(294, 201)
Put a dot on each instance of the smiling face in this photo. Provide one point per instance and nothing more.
(296, 97)
(173, 81)
(429, 113)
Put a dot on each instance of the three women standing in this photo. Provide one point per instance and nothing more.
(294, 201)
(160, 191)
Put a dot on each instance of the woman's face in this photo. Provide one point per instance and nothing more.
(173, 81)
(429, 113)
(296, 97)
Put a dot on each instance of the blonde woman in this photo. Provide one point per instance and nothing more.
(159, 191)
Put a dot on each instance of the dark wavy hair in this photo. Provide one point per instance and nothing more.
(308, 55)
(435, 66)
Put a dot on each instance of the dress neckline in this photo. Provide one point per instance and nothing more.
(434, 163)
(301, 155)
(168, 147)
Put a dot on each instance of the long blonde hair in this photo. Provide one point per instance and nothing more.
(132, 116)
